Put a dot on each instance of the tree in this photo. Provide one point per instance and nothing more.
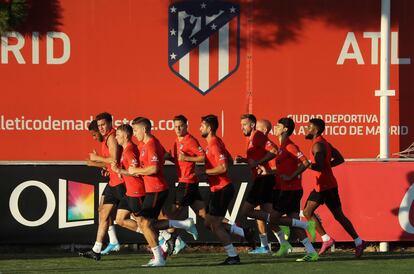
(12, 14)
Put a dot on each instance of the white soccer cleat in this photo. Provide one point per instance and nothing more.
(154, 263)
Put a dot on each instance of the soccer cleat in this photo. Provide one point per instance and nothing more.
(311, 229)
(326, 245)
(109, 248)
(192, 229)
(359, 249)
(284, 249)
(231, 260)
(179, 245)
(310, 257)
(260, 250)
(286, 231)
(90, 255)
(154, 263)
(164, 256)
(170, 246)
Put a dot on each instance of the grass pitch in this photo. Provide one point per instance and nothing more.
(198, 262)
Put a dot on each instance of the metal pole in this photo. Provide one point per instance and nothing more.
(384, 91)
(385, 76)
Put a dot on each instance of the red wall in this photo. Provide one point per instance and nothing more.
(119, 63)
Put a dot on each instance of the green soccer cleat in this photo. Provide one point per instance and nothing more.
(286, 231)
(311, 229)
(310, 257)
(284, 249)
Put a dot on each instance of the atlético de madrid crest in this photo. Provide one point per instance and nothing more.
(203, 42)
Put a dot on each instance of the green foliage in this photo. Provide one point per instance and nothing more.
(12, 14)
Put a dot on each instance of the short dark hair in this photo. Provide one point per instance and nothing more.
(319, 124)
(127, 129)
(212, 121)
(93, 126)
(287, 123)
(104, 116)
(249, 116)
(181, 118)
(143, 121)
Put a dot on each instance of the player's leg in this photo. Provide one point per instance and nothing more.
(261, 227)
(127, 206)
(264, 247)
(115, 195)
(311, 254)
(315, 199)
(333, 202)
(113, 239)
(146, 218)
(109, 201)
(217, 208)
(280, 206)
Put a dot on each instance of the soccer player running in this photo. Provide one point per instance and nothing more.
(151, 169)
(324, 157)
(135, 190)
(261, 190)
(113, 239)
(265, 126)
(290, 164)
(185, 154)
(221, 188)
(114, 190)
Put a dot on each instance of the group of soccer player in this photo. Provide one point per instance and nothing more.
(137, 188)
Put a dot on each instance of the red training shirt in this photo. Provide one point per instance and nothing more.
(190, 147)
(216, 154)
(152, 153)
(134, 185)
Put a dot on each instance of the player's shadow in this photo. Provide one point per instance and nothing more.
(406, 210)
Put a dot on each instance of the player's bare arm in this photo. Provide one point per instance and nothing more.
(319, 152)
(301, 168)
(143, 171)
(337, 157)
(269, 156)
(114, 152)
(120, 170)
(95, 164)
(220, 169)
(196, 159)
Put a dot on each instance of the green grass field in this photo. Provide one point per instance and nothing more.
(206, 263)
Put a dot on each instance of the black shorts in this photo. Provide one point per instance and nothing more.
(152, 205)
(186, 194)
(219, 201)
(132, 204)
(288, 201)
(275, 195)
(261, 190)
(329, 197)
(113, 195)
